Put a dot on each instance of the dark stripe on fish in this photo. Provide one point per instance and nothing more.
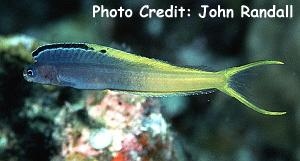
(55, 46)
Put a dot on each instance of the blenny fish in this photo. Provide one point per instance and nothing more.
(91, 66)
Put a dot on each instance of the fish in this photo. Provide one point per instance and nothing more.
(97, 67)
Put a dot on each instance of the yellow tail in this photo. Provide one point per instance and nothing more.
(229, 87)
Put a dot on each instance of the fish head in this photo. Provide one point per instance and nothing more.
(44, 74)
(29, 73)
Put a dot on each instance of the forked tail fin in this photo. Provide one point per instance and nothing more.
(230, 87)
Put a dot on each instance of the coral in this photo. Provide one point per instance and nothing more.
(127, 128)
(55, 123)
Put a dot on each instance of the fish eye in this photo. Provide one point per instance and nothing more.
(29, 72)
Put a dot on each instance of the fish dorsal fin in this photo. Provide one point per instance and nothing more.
(59, 45)
(141, 61)
(70, 53)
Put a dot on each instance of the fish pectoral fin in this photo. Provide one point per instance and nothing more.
(62, 81)
(66, 83)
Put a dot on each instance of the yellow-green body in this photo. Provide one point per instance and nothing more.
(156, 78)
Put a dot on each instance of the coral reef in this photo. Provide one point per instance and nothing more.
(18, 46)
(52, 123)
(125, 128)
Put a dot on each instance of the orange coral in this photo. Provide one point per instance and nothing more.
(120, 157)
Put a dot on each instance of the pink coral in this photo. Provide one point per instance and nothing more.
(130, 143)
(115, 112)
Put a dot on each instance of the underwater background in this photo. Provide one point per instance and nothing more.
(39, 122)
